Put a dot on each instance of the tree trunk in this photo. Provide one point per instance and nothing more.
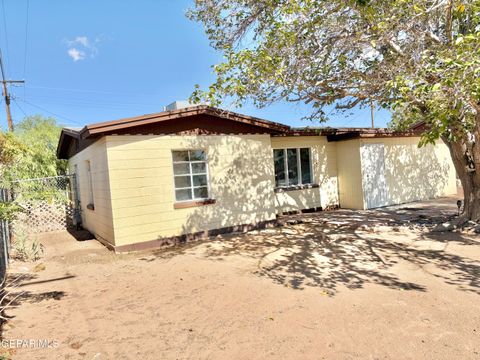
(466, 159)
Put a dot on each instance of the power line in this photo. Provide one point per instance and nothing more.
(86, 101)
(88, 91)
(6, 95)
(1, 66)
(5, 31)
(26, 48)
(372, 113)
(18, 105)
(50, 112)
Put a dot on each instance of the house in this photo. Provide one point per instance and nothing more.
(199, 170)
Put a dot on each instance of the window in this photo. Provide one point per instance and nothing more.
(190, 175)
(292, 167)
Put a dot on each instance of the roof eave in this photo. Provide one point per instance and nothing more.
(175, 114)
(371, 133)
(61, 141)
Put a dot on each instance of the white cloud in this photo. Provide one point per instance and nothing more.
(76, 54)
(81, 47)
(83, 40)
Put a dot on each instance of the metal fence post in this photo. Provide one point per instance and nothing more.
(4, 236)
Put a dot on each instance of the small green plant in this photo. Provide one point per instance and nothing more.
(8, 210)
(5, 356)
(25, 247)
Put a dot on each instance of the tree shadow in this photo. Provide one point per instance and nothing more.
(13, 295)
(412, 173)
(344, 248)
(30, 297)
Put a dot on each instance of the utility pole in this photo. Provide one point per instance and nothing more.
(5, 93)
(372, 113)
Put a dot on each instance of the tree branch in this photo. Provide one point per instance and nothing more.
(448, 21)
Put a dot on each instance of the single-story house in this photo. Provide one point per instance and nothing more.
(199, 170)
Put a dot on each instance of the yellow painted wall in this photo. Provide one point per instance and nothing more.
(349, 174)
(411, 173)
(241, 180)
(295, 200)
(414, 173)
(324, 174)
(133, 182)
(98, 221)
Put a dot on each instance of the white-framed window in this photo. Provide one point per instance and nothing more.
(292, 166)
(190, 173)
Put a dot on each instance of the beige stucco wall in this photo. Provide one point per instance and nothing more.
(98, 221)
(349, 174)
(324, 174)
(241, 180)
(411, 173)
(414, 173)
(133, 186)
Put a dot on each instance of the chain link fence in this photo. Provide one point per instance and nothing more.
(5, 197)
(40, 205)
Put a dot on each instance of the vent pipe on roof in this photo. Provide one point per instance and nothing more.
(372, 113)
(180, 104)
(176, 105)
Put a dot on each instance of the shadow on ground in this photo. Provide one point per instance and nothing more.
(349, 248)
(80, 234)
(14, 294)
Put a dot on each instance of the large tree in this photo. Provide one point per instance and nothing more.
(418, 58)
(30, 150)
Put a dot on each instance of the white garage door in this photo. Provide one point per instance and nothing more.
(373, 175)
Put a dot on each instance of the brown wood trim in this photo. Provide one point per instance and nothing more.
(295, 187)
(105, 242)
(304, 132)
(194, 203)
(381, 133)
(181, 113)
(340, 134)
(296, 212)
(182, 239)
(189, 115)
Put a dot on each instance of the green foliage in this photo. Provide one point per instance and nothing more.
(8, 210)
(5, 356)
(445, 92)
(25, 247)
(30, 151)
(418, 58)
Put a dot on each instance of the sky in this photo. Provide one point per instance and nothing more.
(91, 61)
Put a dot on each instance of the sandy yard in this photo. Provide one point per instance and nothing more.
(336, 285)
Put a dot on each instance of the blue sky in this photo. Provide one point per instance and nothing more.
(89, 61)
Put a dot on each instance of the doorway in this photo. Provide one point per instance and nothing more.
(373, 175)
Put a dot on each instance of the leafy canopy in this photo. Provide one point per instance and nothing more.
(418, 58)
(30, 151)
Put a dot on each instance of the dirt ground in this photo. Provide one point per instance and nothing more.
(330, 285)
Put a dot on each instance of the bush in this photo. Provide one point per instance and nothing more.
(25, 247)
(8, 210)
